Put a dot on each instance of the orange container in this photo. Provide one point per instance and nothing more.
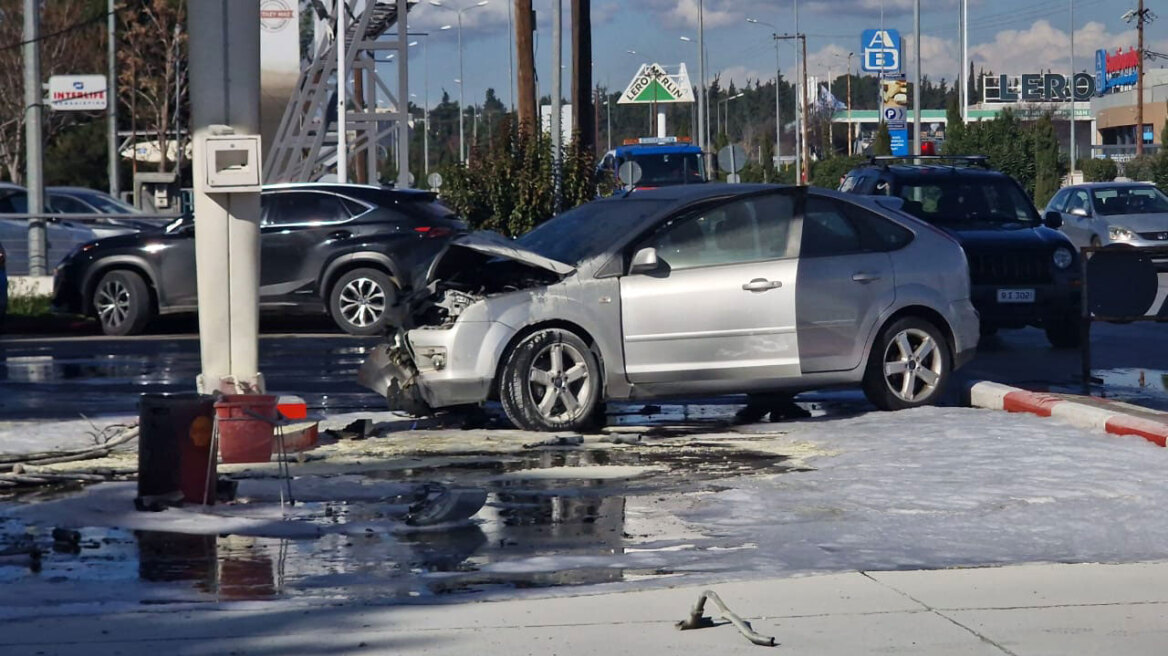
(246, 427)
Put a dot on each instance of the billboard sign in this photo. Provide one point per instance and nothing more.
(894, 98)
(880, 51)
(279, 61)
(652, 84)
(1037, 87)
(77, 93)
(1116, 70)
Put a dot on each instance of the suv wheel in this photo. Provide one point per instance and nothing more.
(909, 365)
(360, 300)
(122, 303)
(551, 382)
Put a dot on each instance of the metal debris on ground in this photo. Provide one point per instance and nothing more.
(561, 440)
(698, 620)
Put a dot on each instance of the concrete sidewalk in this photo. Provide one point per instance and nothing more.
(1020, 610)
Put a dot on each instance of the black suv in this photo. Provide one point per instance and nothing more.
(343, 249)
(1024, 272)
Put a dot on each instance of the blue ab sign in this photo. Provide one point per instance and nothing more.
(881, 51)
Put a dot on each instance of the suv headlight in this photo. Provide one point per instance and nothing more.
(1117, 233)
(1063, 257)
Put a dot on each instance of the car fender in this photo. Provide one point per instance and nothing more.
(341, 262)
(98, 268)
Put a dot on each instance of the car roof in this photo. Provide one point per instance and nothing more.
(656, 149)
(923, 170)
(1112, 185)
(701, 191)
(369, 193)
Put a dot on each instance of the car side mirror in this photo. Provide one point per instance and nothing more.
(1079, 211)
(644, 261)
(1053, 220)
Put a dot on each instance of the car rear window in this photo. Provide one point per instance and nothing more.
(957, 200)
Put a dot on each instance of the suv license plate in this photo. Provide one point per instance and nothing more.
(1015, 295)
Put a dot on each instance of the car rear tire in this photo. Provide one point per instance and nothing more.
(121, 301)
(1064, 333)
(551, 382)
(909, 365)
(359, 302)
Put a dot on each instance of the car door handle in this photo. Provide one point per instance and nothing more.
(865, 277)
(761, 285)
(340, 234)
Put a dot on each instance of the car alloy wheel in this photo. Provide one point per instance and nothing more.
(362, 302)
(560, 383)
(112, 303)
(913, 365)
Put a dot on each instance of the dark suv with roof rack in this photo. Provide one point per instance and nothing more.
(1024, 272)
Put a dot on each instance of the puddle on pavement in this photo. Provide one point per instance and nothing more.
(536, 531)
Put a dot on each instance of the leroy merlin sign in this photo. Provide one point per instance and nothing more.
(652, 84)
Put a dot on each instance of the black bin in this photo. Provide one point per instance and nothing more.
(175, 462)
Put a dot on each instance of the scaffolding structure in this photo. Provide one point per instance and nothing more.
(305, 146)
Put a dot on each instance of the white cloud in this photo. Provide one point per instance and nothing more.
(1045, 47)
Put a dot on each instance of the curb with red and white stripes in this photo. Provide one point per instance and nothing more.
(1114, 418)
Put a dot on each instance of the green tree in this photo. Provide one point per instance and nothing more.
(1048, 168)
(829, 172)
(882, 143)
(954, 127)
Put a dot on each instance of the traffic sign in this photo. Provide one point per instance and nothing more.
(732, 158)
(435, 180)
(880, 51)
(77, 92)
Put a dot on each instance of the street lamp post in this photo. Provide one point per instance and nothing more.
(703, 99)
(778, 76)
(461, 77)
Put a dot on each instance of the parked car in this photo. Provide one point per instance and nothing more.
(60, 237)
(1024, 272)
(691, 289)
(341, 249)
(116, 217)
(663, 161)
(1106, 213)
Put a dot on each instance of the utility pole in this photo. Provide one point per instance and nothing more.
(917, 79)
(524, 36)
(778, 111)
(1071, 80)
(703, 99)
(403, 76)
(557, 97)
(33, 137)
(1141, 18)
(802, 109)
(850, 150)
(111, 94)
(583, 112)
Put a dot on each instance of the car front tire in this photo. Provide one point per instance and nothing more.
(551, 382)
(359, 302)
(121, 301)
(909, 365)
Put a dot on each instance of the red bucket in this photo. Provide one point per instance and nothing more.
(246, 427)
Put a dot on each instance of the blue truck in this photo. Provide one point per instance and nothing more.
(664, 161)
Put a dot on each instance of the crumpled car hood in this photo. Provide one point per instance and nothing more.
(492, 243)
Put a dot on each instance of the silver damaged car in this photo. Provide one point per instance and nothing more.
(680, 291)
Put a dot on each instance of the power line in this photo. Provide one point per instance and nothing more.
(65, 30)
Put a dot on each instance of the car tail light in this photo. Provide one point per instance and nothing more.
(433, 232)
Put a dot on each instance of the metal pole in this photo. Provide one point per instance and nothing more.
(851, 150)
(225, 91)
(178, 144)
(800, 104)
(778, 112)
(461, 106)
(1072, 85)
(33, 137)
(426, 110)
(111, 95)
(557, 95)
(964, 76)
(1139, 81)
(917, 79)
(804, 173)
(342, 93)
(608, 127)
(510, 53)
(702, 119)
(403, 82)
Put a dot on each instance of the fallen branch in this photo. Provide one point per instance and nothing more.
(9, 462)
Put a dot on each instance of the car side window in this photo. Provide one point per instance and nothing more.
(745, 230)
(827, 230)
(66, 205)
(305, 208)
(876, 232)
(1079, 201)
(1059, 202)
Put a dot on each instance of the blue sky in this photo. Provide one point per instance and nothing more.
(1007, 36)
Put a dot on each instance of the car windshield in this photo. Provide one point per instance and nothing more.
(588, 229)
(661, 169)
(106, 204)
(967, 200)
(1113, 201)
